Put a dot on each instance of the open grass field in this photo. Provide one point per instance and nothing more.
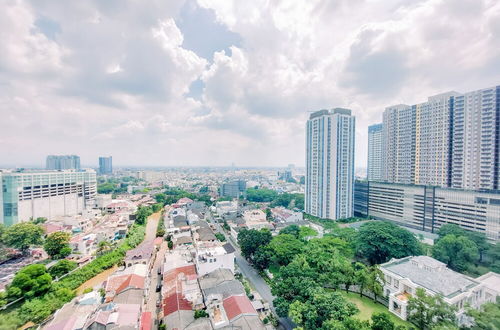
(367, 307)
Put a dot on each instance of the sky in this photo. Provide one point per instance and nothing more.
(216, 82)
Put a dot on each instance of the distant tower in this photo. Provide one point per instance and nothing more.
(330, 164)
(63, 162)
(105, 165)
(375, 141)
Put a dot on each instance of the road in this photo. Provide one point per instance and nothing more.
(253, 276)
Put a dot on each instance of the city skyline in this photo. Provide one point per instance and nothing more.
(245, 86)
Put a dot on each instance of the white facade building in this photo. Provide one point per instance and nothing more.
(404, 276)
(330, 164)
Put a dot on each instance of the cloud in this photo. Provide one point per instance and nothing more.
(210, 82)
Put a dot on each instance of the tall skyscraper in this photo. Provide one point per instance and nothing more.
(375, 148)
(63, 162)
(330, 164)
(399, 141)
(106, 165)
(476, 134)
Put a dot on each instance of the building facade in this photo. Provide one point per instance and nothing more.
(105, 165)
(404, 276)
(475, 161)
(399, 141)
(375, 148)
(234, 189)
(64, 162)
(330, 164)
(428, 207)
(27, 194)
(452, 140)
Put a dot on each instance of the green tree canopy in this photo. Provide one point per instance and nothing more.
(285, 247)
(382, 321)
(62, 267)
(29, 282)
(57, 245)
(487, 317)
(23, 235)
(292, 230)
(142, 214)
(458, 252)
(379, 241)
(250, 240)
(427, 312)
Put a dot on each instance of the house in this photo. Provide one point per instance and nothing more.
(140, 255)
(125, 288)
(404, 276)
(283, 215)
(74, 314)
(224, 207)
(256, 219)
(212, 256)
(112, 315)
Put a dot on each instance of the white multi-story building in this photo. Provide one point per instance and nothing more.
(404, 276)
(32, 194)
(375, 148)
(330, 164)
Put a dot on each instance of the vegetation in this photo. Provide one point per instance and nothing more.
(23, 235)
(287, 200)
(172, 195)
(379, 241)
(487, 317)
(200, 313)
(160, 230)
(250, 240)
(115, 185)
(46, 297)
(458, 252)
(220, 237)
(142, 214)
(29, 282)
(62, 267)
(57, 245)
(428, 312)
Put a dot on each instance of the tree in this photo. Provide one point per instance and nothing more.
(347, 324)
(29, 282)
(477, 237)
(142, 214)
(322, 306)
(39, 220)
(262, 257)
(375, 281)
(292, 230)
(285, 247)
(451, 229)
(23, 235)
(382, 321)
(361, 276)
(57, 245)
(305, 232)
(200, 313)
(220, 237)
(487, 317)
(250, 240)
(427, 312)
(458, 252)
(380, 241)
(62, 267)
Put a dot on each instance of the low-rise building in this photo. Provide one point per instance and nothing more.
(140, 255)
(212, 256)
(256, 219)
(281, 214)
(404, 276)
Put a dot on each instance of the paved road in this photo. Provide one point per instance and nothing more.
(152, 294)
(253, 276)
(151, 226)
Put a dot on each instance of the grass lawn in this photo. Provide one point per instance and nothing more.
(367, 307)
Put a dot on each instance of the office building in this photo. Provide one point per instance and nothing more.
(64, 162)
(375, 148)
(476, 143)
(399, 141)
(233, 189)
(427, 208)
(330, 164)
(105, 165)
(33, 194)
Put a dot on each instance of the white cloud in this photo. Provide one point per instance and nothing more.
(114, 77)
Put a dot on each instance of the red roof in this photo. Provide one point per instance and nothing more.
(175, 302)
(117, 284)
(184, 200)
(146, 321)
(238, 305)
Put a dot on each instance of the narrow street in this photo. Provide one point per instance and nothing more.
(253, 276)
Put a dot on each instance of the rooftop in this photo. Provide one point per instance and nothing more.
(430, 274)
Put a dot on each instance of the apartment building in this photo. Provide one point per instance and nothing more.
(63, 162)
(375, 148)
(330, 164)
